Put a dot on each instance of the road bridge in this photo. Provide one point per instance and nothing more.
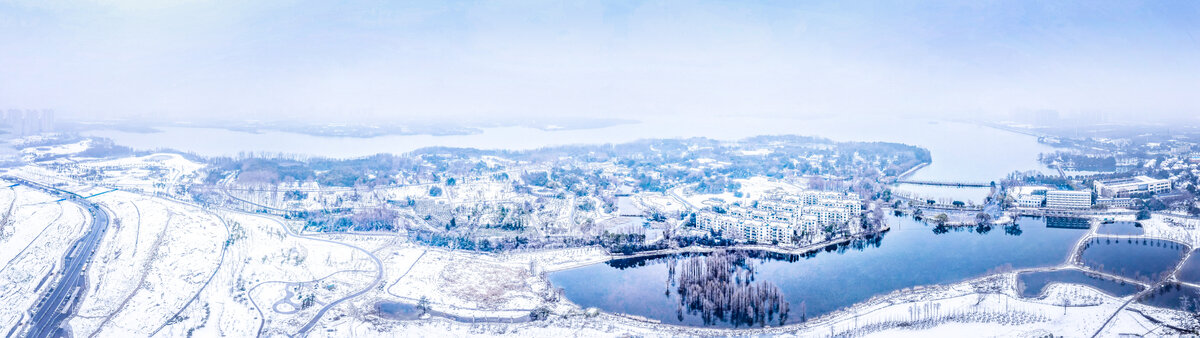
(946, 183)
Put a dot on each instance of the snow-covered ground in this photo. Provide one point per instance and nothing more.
(461, 281)
(39, 232)
(53, 150)
(171, 268)
(156, 255)
(155, 173)
(160, 256)
(986, 307)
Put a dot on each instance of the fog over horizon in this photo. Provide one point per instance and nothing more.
(377, 60)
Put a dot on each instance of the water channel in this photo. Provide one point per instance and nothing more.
(1032, 284)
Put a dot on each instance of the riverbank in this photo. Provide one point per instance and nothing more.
(786, 250)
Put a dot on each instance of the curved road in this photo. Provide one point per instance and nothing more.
(59, 302)
(262, 317)
(312, 322)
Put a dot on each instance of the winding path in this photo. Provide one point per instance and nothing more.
(308, 326)
(220, 263)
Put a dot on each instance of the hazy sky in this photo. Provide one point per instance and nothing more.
(347, 60)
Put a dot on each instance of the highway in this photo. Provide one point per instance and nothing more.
(58, 304)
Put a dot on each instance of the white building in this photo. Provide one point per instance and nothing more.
(1124, 187)
(1065, 199)
(1030, 201)
(1030, 196)
(1115, 202)
(780, 216)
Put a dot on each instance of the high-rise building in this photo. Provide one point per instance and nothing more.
(29, 126)
(28, 122)
(12, 118)
(47, 121)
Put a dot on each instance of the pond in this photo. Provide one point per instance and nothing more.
(1120, 228)
(397, 310)
(1190, 272)
(1140, 259)
(814, 284)
(1173, 296)
(1031, 284)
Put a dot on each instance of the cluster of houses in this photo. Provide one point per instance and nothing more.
(780, 216)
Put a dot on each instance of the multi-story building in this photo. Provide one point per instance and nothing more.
(1030, 200)
(780, 216)
(1030, 196)
(1066, 199)
(1124, 187)
(1115, 202)
(28, 122)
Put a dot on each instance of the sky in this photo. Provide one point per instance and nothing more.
(342, 61)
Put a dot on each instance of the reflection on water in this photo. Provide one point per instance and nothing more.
(1031, 284)
(1190, 272)
(830, 278)
(1120, 228)
(397, 310)
(721, 287)
(1174, 296)
(1068, 222)
(982, 229)
(1147, 260)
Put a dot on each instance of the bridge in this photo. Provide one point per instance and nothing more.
(946, 183)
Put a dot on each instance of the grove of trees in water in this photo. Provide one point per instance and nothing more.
(721, 287)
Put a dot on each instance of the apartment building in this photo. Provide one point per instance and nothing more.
(777, 217)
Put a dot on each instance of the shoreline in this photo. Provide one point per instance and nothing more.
(709, 249)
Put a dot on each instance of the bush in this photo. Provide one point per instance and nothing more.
(540, 313)
(1143, 214)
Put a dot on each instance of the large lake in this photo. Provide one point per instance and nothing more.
(909, 255)
(960, 151)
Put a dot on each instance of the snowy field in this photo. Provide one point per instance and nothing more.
(172, 268)
(37, 236)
